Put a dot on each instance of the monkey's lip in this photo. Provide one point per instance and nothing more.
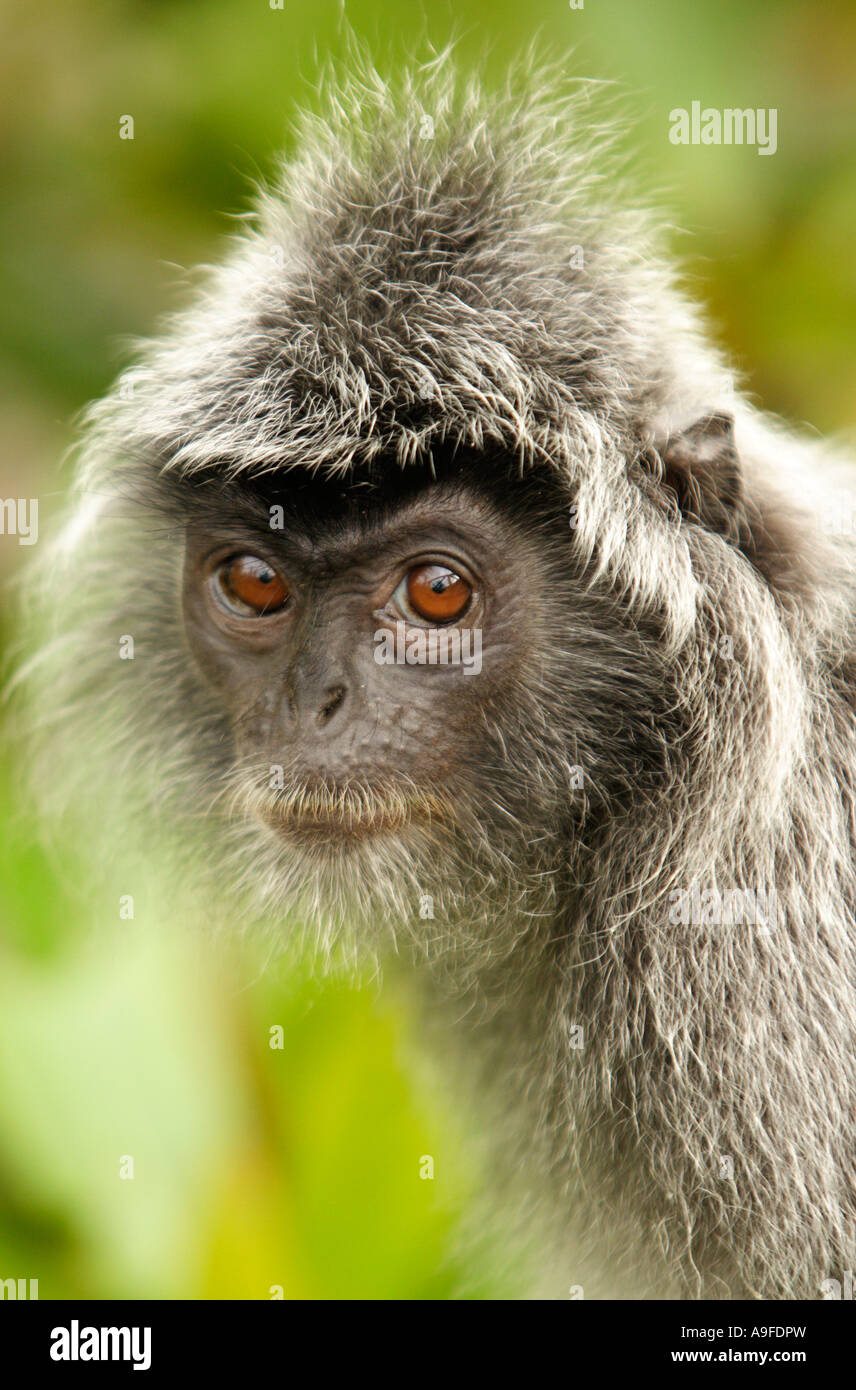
(340, 826)
(347, 813)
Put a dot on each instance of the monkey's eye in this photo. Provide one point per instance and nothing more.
(249, 586)
(434, 593)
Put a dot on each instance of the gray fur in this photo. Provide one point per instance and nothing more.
(398, 295)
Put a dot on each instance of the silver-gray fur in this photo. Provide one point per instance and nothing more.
(405, 290)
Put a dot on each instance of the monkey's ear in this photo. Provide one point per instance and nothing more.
(702, 468)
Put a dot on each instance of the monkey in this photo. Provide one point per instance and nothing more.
(478, 616)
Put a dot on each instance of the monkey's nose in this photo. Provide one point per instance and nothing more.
(334, 698)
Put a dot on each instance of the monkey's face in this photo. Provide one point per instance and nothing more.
(382, 666)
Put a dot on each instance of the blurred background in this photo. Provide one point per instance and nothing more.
(155, 1137)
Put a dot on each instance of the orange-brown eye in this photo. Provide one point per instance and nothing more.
(437, 593)
(249, 583)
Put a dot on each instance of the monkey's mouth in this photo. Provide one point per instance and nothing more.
(321, 813)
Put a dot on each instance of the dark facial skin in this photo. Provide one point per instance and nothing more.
(300, 679)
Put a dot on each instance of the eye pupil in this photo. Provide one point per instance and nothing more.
(437, 593)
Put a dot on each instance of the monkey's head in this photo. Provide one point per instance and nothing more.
(347, 647)
(418, 520)
(404, 667)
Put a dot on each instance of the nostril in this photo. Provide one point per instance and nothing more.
(335, 697)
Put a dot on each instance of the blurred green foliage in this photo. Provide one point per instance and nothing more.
(182, 1117)
(299, 1167)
